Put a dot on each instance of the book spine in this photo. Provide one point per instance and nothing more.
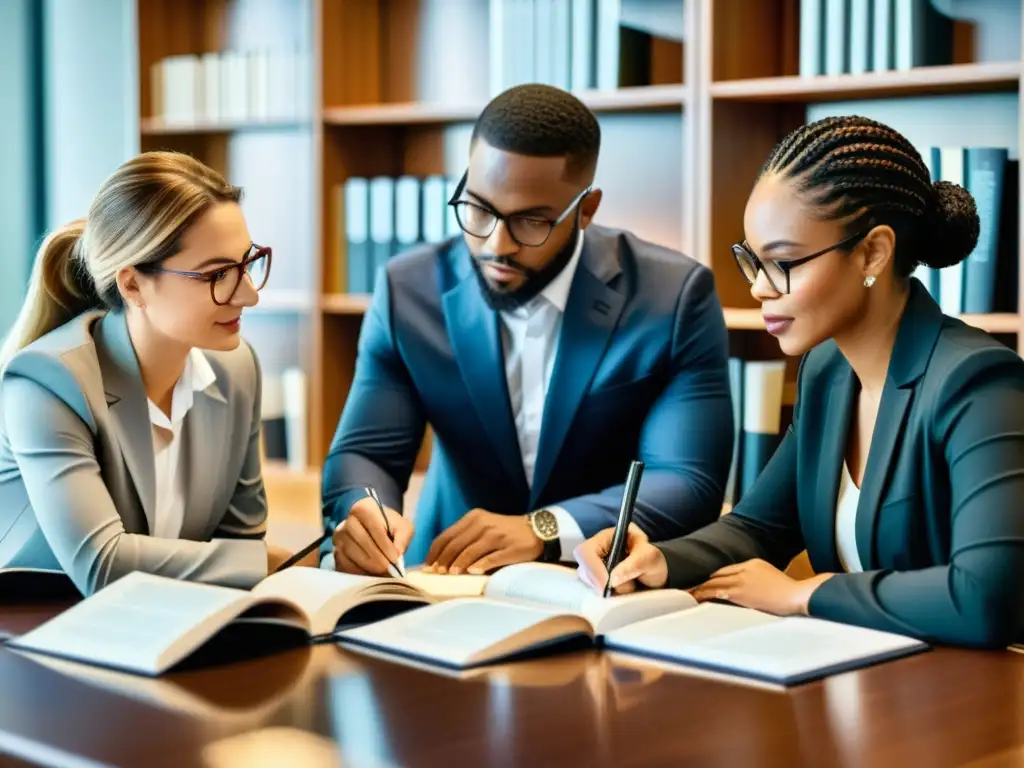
(763, 382)
(984, 172)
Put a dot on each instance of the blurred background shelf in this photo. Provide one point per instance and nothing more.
(691, 96)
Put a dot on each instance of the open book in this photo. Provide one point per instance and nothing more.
(147, 624)
(784, 650)
(523, 608)
(526, 607)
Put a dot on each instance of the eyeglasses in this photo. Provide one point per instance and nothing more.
(528, 230)
(777, 272)
(224, 281)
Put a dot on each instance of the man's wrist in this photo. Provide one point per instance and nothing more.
(544, 525)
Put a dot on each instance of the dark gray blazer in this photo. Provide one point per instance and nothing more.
(940, 522)
(77, 476)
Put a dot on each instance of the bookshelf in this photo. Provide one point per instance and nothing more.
(378, 104)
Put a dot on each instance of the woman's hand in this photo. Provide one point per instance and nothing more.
(644, 564)
(761, 586)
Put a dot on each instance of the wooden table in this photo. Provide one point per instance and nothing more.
(941, 708)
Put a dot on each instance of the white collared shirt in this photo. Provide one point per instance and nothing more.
(170, 489)
(529, 336)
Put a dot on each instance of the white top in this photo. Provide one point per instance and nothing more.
(846, 522)
(530, 340)
(170, 491)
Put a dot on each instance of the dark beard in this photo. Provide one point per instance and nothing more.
(535, 280)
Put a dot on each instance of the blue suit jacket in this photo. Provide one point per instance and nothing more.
(641, 372)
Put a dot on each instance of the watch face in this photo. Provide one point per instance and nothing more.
(546, 525)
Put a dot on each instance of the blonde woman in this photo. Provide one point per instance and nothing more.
(129, 403)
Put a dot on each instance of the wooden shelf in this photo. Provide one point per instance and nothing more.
(921, 81)
(345, 303)
(156, 127)
(640, 99)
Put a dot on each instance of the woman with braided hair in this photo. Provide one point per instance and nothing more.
(902, 474)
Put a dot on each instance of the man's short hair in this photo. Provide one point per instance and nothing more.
(542, 121)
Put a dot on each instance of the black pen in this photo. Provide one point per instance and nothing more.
(618, 548)
(302, 552)
(399, 569)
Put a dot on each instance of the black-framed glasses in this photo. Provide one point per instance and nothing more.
(224, 281)
(777, 272)
(526, 229)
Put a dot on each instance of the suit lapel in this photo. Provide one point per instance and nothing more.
(129, 408)
(835, 430)
(591, 314)
(203, 453)
(474, 334)
(919, 329)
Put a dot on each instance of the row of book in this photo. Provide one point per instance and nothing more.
(986, 281)
(757, 388)
(856, 36)
(231, 86)
(381, 216)
(577, 44)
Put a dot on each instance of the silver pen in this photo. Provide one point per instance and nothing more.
(396, 570)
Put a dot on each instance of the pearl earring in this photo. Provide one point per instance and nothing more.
(869, 281)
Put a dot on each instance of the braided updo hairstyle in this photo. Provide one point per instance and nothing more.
(850, 164)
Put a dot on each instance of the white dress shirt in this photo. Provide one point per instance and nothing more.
(170, 491)
(529, 336)
(846, 523)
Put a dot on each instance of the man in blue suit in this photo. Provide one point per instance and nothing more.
(546, 353)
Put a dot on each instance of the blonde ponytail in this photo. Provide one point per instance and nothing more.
(59, 289)
(138, 216)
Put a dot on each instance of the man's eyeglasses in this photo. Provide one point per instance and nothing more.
(224, 281)
(527, 229)
(777, 272)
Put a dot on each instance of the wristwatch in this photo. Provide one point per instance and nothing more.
(545, 527)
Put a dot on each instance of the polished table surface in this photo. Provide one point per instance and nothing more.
(324, 706)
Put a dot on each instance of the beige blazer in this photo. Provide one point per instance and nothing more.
(77, 474)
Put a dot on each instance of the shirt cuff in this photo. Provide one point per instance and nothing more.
(569, 533)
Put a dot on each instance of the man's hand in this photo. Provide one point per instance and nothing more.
(644, 562)
(760, 585)
(361, 543)
(482, 541)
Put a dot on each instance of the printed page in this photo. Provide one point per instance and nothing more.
(454, 632)
(447, 585)
(561, 587)
(746, 641)
(135, 622)
(547, 584)
(325, 596)
(311, 588)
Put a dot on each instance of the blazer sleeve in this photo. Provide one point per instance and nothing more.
(687, 436)
(54, 450)
(764, 525)
(975, 599)
(246, 515)
(381, 427)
